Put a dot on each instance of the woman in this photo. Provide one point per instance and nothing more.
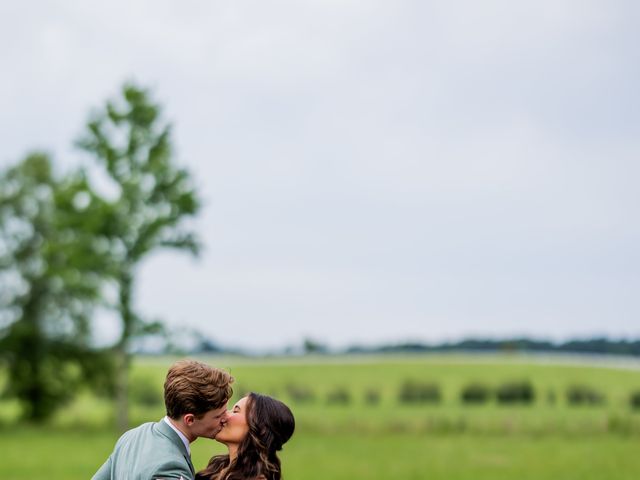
(255, 429)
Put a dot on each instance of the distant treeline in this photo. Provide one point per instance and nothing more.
(600, 346)
(594, 346)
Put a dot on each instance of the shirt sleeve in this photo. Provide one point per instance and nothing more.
(172, 471)
(104, 473)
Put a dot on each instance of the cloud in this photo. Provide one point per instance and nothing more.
(426, 169)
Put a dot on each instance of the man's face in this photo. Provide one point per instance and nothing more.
(210, 424)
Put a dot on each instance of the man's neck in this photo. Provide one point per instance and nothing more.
(181, 428)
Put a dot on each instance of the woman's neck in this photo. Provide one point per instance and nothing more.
(233, 452)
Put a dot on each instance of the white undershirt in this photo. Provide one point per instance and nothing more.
(184, 439)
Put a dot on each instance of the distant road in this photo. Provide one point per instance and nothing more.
(457, 357)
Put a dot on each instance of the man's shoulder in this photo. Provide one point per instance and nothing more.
(154, 433)
(140, 428)
(139, 431)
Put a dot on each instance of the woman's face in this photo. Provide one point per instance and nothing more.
(236, 427)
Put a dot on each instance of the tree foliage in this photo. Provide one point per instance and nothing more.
(132, 144)
(51, 270)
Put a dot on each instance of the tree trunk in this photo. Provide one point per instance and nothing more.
(28, 336)
(123, 356)
(122, 389)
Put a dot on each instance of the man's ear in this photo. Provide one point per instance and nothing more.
(188, 419)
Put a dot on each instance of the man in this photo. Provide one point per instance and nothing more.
(195, 396)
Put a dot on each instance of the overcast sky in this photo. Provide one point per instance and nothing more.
(372, 171)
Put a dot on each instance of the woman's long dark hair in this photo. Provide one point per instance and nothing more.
(271, 424)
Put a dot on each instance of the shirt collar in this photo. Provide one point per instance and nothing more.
(184, 439)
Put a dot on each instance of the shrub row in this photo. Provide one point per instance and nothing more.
(415, 392)
(518, 392)
(412, 391)
(584, 395)
(523, 392)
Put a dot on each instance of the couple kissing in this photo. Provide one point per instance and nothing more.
(196, 397)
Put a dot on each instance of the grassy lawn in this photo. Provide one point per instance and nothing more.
(60, 454)
(547, 439)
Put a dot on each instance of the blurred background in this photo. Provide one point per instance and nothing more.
(415, 222)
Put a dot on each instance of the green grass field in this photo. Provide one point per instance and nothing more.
(548, 439)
